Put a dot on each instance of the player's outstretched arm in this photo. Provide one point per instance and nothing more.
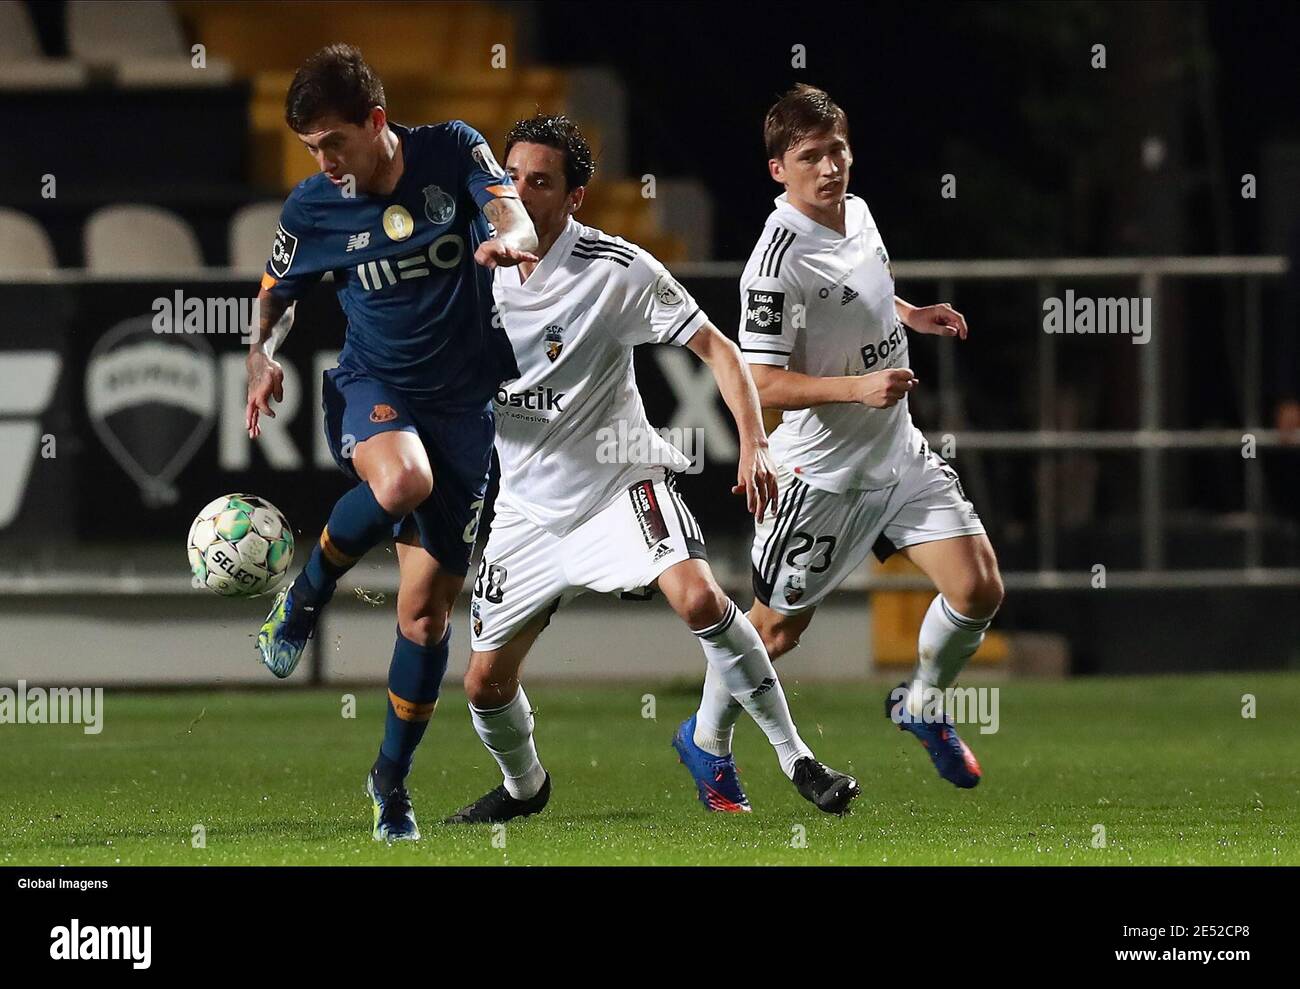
(942, 320)
(755, 473)
(779, 388)
(515, 240)
(265, 376)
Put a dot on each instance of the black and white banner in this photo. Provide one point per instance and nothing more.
(122, 411)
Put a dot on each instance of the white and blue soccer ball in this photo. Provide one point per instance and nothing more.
(240, 546)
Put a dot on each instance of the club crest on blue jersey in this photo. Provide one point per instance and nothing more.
(439, 207)
(398, 223)
(554, 341)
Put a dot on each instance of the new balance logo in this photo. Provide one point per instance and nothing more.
(767, 684)
(358, 242)
(848, 296)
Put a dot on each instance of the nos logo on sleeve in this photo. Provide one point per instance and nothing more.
(763, 312)
(482, 154)
(282, 252)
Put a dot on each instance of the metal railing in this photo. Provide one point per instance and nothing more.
(1151, 441)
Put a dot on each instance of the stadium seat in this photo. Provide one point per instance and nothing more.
(22, 63)
(166, 71)
(252, 229)
(17, 36)
(142, 41)
(24, 245)
(436, 61)
(139, 240)
(428, 41)
(100, 32)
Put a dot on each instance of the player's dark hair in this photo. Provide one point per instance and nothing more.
(800, 113)
(555, 130)
(336, 81)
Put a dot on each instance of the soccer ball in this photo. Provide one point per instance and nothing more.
(240, 546)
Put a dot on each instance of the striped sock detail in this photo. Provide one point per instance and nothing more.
(410, 710)
(721, 625)
(961, 621)
(335, 556)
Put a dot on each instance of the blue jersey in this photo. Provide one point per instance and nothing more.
(419, 309)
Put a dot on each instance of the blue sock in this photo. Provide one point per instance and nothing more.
(357, 524)
(414, 678)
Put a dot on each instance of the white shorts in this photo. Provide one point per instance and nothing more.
(816, 538)
(527, 571)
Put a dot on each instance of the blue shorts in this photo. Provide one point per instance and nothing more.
(459, 445)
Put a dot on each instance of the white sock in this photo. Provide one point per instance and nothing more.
(734, 650)
(947, 640)
(716, 719)
(507, 731)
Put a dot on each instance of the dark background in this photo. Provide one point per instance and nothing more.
(1046, 148)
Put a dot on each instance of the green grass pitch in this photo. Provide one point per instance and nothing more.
(1168, 766)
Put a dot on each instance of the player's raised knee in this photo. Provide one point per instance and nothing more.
(991, 591)
(402, 489)
(978, 595)
(701, 604)
(486, 690)
(423, 630)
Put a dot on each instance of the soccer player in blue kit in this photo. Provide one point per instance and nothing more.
(400, 216)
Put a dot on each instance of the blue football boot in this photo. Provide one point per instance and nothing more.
(285, 633)
(952, 758)
(715, 777)
(394, 817)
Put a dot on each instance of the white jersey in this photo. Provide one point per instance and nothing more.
(571, 430)
(821, 304)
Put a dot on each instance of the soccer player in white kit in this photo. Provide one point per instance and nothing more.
(826, 340)
(576, 512)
